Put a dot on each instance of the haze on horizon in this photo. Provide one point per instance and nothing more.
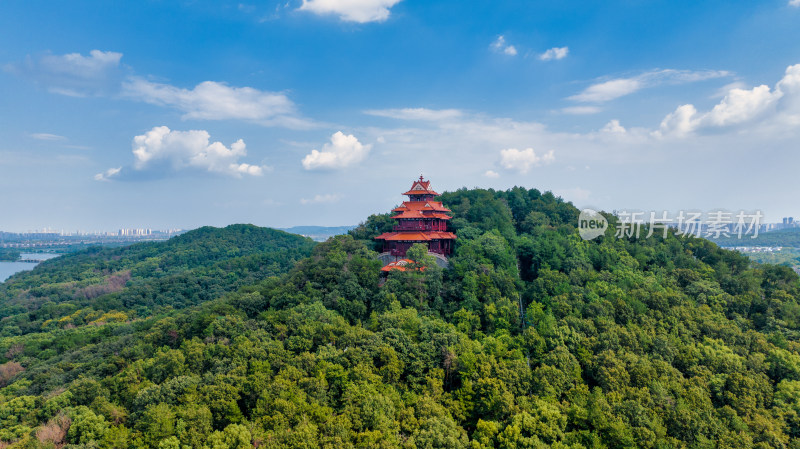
(320, 112)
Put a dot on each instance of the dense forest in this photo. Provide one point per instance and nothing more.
(788, 240)
(789, 257)
(783, 237)
(244, 337)
(9, 254)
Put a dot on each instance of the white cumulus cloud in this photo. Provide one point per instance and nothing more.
(342, 151)
(739, 106)
(795, 3)
(608, 90)
(680, 122)
(619, 87)
(101, 74)
(580, 110)
(614, 127)
(523, 160)
(73, 74)
(84, 66)
(742, 104)
(417, 113)
(491, 174)
(178, 150)
(500, 46)
(211, 100)
(554, 53)
(360, 11)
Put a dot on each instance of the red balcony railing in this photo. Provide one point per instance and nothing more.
(407, 227)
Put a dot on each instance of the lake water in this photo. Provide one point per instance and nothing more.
(9, 268)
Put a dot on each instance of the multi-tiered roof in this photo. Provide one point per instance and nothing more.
(419, 220)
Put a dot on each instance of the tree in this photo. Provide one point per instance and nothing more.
(86, 426)
(235, 436)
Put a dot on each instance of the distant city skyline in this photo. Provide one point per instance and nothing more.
(185, 114)
(79, 232)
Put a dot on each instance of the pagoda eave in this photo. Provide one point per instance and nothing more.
(411, 215)
(421, 192)
(433, 206)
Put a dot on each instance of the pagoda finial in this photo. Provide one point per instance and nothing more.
(421, 178)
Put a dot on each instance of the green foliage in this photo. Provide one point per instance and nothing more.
(532, 338)
(783, 237)
(233, 437)
(373, 227)
(9, 254)
(789, 257)
(86, 427)
(97, 286)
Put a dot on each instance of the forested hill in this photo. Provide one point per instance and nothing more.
(534, 338)
(783, 237)
(100, 285)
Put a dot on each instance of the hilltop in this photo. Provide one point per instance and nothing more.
(534, 338)
(101, 284)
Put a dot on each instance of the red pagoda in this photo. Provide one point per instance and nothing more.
(419, 220)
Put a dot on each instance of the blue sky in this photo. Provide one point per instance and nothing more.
(182, 114)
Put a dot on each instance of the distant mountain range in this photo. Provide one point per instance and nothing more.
(318, 233)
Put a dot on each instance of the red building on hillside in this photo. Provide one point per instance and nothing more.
(419, 220)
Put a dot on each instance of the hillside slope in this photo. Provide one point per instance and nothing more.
(534, 338)
(783, 237)
(117, 284)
